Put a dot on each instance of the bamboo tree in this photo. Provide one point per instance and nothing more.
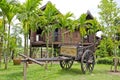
(82, 26)
(64, 20)
(1, 39)
(71, 27)
(93, 27)
(26, 11)
(3, 7)
(9, 10)
(47, 23)
(15, 40)
(53, 36)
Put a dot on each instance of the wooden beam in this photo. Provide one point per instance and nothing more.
(53, 59)
(33, 60)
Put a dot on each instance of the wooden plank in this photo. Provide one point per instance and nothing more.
(33, 60)
(53, 59)
(68, 50)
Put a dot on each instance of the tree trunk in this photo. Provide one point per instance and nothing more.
(0, 52)
(8, 49)
(53, 38)
(47, 50)
(25, 44)
(2, 38)
(115, 54)
(6, 61)
(115, 64)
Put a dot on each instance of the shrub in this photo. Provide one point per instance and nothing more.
(105, 48)
(105, 60)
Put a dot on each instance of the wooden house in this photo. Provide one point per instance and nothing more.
(37, 40)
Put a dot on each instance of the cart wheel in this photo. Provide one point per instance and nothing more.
(66, 64)
(87, 61)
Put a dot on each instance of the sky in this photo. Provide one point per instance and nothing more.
(77, 7)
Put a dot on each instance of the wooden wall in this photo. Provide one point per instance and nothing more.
(70, 38)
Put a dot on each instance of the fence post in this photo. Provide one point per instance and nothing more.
(25, 70)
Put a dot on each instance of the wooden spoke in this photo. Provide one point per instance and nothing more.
(66, 64)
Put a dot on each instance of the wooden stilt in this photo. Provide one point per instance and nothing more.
(31, 54)
(41, 52)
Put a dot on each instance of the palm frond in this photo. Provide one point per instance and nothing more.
(82, 19)
(68, 15)
(50, 12)
(32, 4)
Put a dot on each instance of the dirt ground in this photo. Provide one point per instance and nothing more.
(114, 73)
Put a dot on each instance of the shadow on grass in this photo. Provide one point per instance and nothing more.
(72, 71)
(77, 71)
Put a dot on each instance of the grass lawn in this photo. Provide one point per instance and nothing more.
(54, 72)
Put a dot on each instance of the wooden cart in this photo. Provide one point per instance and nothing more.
(71, 53)
(82, 54)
